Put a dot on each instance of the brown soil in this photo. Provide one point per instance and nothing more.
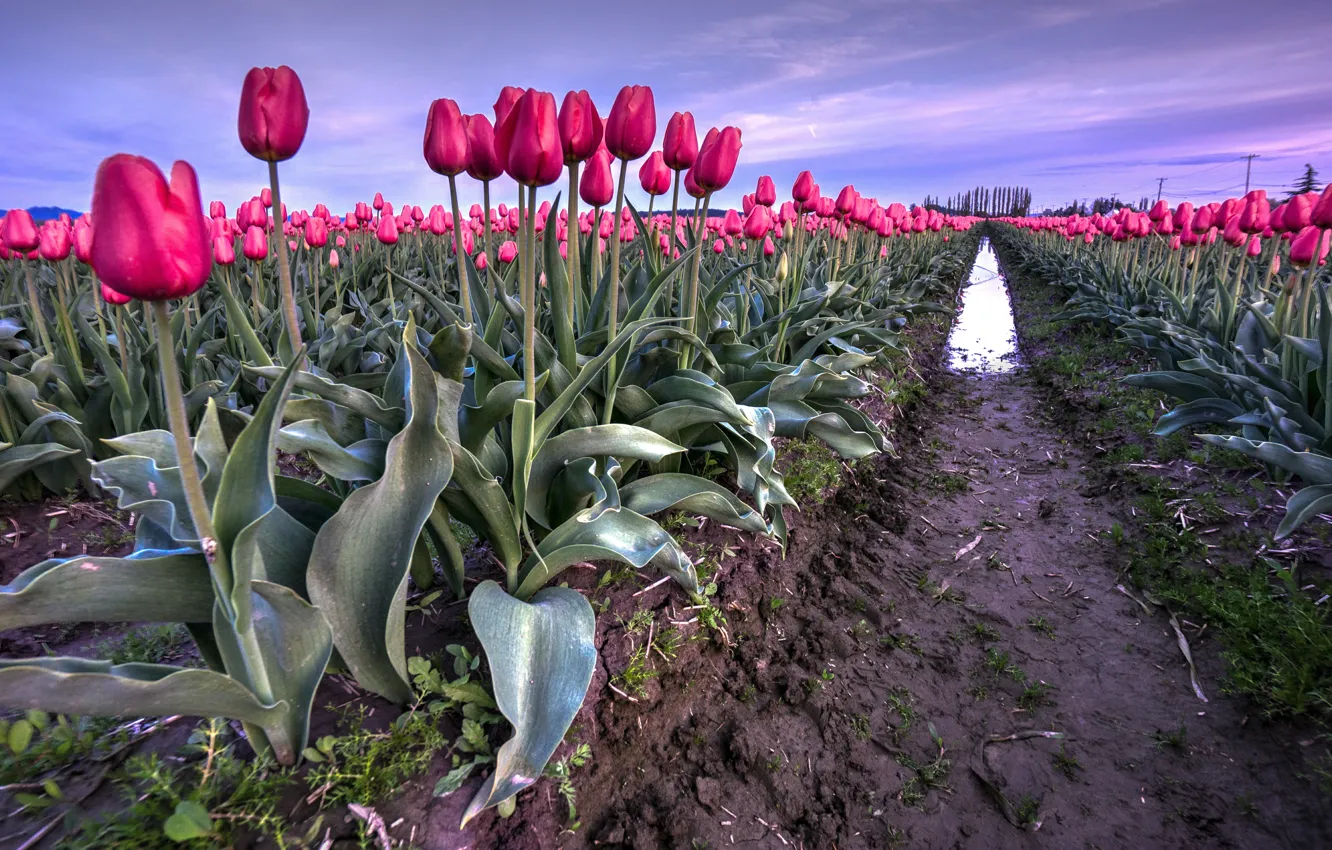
(795, 736)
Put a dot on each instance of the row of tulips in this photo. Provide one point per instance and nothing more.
(1231, 300)
(553, 400)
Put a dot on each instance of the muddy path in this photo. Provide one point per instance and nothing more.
(883, 685)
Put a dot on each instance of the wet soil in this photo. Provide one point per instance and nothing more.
(881, 685)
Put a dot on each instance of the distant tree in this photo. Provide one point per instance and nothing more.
(1308, 182)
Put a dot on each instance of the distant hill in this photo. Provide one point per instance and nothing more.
(43, 213)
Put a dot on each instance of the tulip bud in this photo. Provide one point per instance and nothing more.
(527, 142)
(766, 193)
(804, 188)
(768, 248)
(719, 246)
(508, 252)
(224, 253)
(445, 144)
(1305, 246)
(680, 146)
(654, 176)
(316, 232)
(691, 187)
(83, 239)
(255, 246)
(54, 242)
(333, 261)
(217, 209)
(378, 203)
(716, 159)
(580, 127)
(1321, 215)
(481, 261)
(596, 186)
(273, 113)
(387, 232)
(508, 98)
(151, 240)
(632, 123)
(731, 223)
(783, 268)
(19, 232)
(111, 296)
(756, 224)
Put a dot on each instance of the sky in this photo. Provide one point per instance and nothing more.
(902, 99)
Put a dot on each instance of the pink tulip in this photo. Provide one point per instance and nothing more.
(255, 246)
(716, 159)
(766, 193)
(224, 253)
(680, 147)
(580, 127)
(508, 251)
(632, 123)
(654, 176)
(273, 113)
(445, 144)
(19, 232)
(596, 186)
(151, 240)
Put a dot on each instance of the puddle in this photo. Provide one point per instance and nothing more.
(983, 338)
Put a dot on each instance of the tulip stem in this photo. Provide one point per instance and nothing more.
(613, 302)
(464, 285)
(572, 243)
(179, 423)
(700, 223)
(491, 285)
(670, 240)
(284, 270)
(35, 305)
(529, 295)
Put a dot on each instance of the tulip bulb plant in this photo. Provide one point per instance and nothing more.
(553, 379)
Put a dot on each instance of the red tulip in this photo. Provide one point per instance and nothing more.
(110, 296)
(1304, 246)
(716, 159)
(719, 247)
(445, 144)
(804, 188)
(255, 246)
(508, 252)
(766, 193)
(316, 232)
(378, 202)
(756, 224)
(507, 100)
(528, 140)
(387, 233)
(151, 240)
(217, 209)
(580, 127)
(1256, 216)
(1234, 234)
(597, 187)
(273, 113)
(1160, 211)
(654, 176)
(731, 223)
(632, 123)
(680, 147)
(691, 186)
(846, 200)
(1321, 216)
(19, 231)
(1203, 219)
(54, 242)
(224, 253)
(83, 239)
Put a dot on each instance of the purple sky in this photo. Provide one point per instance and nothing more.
(1073, 99)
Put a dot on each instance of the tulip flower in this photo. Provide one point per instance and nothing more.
(769, 249)
(273, 113)
(54, 242)
(597, 185)
(691, 187)
(1321, 215)
(481, 261)
(83, 239)
(507, 100)
(680, 147)
(387, 232)
(266, 197)
(378, 203)
(1305, 246)
(527, 141)
(445, 143)
(19, 232)
(766, 193)
(756, 224)
(804, 188)
(580, 127)
(151, 240)
(719, 247)
(333, 261)
(255, 244)
(508, 251)
(632, 123)
(224, 252)
(110, 296)
(716, 159)
(731, 224)
(654, 176)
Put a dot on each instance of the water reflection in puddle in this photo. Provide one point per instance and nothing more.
(983, 338)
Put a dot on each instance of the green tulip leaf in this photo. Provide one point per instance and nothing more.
(542, 655)
(692, 494)
(360, 461)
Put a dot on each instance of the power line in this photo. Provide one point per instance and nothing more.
(1248, 169)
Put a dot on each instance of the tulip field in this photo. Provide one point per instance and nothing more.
(431, 527)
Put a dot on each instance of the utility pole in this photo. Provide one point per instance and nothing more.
(1248, 169)
(1160, 183)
